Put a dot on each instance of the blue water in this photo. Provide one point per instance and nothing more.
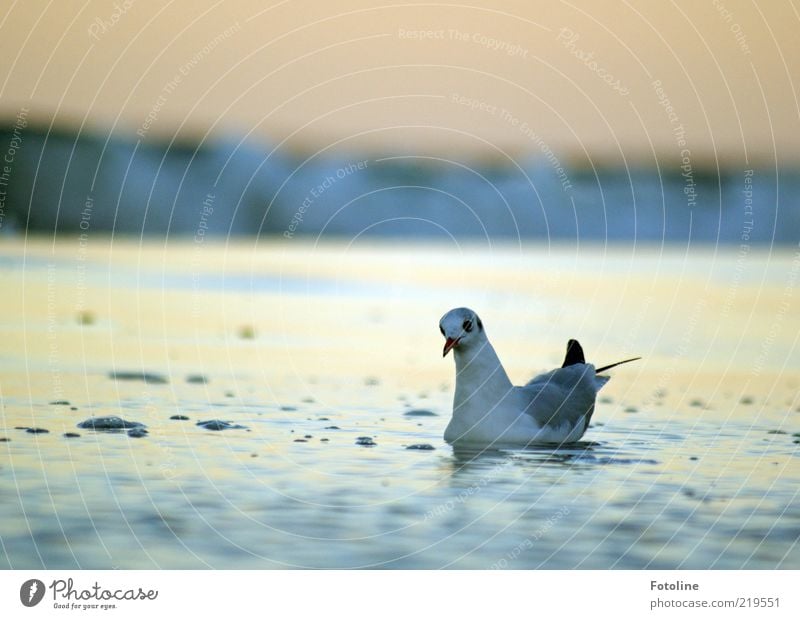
(692, 461)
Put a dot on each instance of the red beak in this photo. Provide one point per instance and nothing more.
(449, 344)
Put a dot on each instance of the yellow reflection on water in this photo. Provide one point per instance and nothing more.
(294, 338)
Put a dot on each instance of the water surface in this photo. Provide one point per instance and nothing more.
(692, 461)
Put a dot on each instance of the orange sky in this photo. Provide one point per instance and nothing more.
(577, 79)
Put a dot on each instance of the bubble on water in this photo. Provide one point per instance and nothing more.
(246, 332)
(151, 378)
(85, 318)
(110, 423)
(420, 412)
(218, 424)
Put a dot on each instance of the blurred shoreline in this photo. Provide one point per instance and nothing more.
(64, 182)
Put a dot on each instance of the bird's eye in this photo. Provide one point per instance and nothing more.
(467, 326)
(441, 328)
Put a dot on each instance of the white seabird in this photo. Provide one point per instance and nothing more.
(488, 411)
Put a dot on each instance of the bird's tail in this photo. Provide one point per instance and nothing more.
(574, 354)
(600, 381)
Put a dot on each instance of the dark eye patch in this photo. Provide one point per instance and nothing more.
(467, 326)
(441, 328)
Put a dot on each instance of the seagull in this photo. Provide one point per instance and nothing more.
(488, 411)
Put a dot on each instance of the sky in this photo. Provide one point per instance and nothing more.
(613, 83)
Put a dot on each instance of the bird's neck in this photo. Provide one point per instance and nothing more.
(480, 377)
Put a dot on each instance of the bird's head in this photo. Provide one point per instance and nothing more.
(460, 328)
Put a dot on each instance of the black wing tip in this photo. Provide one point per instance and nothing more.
(613, 365)
(574, 354)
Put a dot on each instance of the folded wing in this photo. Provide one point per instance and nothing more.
(565, 396)
(562, 396)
